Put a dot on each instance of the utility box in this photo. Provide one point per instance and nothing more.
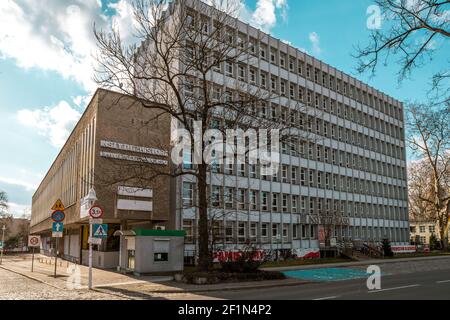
(151, 251)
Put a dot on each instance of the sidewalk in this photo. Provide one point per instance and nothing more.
(356, 263)
(121, 284)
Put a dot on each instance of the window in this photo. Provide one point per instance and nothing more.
(215, 197)
(241, 199)
(285, 230)
(312, 232)
(188, 227)
(275, 202)
(253, 230)
(284, 203)
(161, 250)
(229, 198)
(253, 76)
(229, 231)
(265, 230)
(229, 69)
(422, 229)
(275, 230)
(432, 229)
(273, 83)
(263, 80)
(264, 201)
(294, 204)
(294, 175)
(284, 173)
(188, 194)
(242, 226)
(241, 73)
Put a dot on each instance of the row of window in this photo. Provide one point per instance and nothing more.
(296, 65)
(422, 229)
(314, 152)
(317, 125)
(316, 179)
(254, 200)
(244, 232)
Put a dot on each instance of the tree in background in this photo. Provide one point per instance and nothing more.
(416, 30)
(5, 217)
(3, 202)
(429, 177)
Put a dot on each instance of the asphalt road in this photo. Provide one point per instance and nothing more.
(403, 281)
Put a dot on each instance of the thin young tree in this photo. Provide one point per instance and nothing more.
(184, 46)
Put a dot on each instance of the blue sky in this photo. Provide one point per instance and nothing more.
(46, 68)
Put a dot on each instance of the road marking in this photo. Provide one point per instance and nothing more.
(444, 281)
(396, 288)
(326, 298)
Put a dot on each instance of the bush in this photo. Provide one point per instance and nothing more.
(248, 261)
(224, 277)
(387, 250)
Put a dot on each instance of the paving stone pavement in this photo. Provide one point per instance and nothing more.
(17, 287)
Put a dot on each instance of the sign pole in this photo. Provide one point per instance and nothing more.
(90, 257)
(3, 243)
(56, 255)
(32, 261)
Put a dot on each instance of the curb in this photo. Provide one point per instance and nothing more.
(187, 290)
(203, 290)
(357, 263)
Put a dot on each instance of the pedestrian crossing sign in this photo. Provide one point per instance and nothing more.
(58, 206)
(100, 230)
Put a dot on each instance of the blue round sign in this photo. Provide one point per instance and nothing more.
(58, 216)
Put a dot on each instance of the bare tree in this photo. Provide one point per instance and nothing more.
(416, 30)
(184, 45)
(429, 132)
(3, 202)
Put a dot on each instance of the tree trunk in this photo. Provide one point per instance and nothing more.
(204, 253)
(443, 232)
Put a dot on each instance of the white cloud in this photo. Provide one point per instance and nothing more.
(57, 35)
(53, 35)
(29, 186)
(18, 210)
(265, 15)
(54, 123)
(315, 43)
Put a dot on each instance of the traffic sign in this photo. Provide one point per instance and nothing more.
(57, 229)
(58, 216)
(100, 230)
(1, 245)
(58, 206)
(34, 241)
(97, 241)
(96, 212)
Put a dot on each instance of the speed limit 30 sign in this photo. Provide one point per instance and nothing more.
(96, 212)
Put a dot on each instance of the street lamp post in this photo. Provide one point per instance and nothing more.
(3, 243)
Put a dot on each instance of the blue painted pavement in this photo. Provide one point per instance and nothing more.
(327, 274)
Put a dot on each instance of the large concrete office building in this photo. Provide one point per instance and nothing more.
(357, 168)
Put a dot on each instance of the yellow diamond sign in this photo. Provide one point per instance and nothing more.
(58, 206)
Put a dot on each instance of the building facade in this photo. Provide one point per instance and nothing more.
(110, 151)
(357, 168)
(422, 232)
